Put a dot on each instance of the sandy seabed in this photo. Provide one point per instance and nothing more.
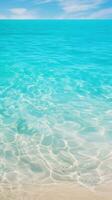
(56, 192)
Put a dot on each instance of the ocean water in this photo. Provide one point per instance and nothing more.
(55, 102)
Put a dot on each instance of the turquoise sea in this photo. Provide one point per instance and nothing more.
(56, 102)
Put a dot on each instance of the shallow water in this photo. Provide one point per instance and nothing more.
(55, 102)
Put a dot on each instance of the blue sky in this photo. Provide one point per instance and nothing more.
(55, 9)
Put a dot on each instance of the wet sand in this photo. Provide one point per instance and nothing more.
(56, 192)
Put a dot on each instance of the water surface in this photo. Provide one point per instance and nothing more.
(55, 102)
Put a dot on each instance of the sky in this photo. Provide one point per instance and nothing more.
(55, 9)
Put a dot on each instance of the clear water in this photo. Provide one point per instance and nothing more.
(55, 102)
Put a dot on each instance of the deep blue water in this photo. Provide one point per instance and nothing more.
(56, 101)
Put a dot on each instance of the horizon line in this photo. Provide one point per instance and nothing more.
(74, 19)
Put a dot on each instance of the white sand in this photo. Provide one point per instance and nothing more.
(56, 192)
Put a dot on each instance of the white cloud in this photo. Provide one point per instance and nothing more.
(104, 13)
(74, 6)
(18, 11)
(2, 16)
(43, 1)
(84, 9)
(21, 13)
